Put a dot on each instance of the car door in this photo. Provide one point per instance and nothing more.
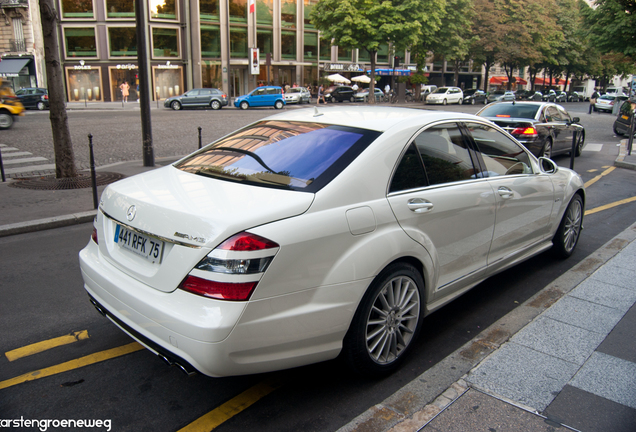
(442, 202)
(257, 97)
(558, 128)
(203, 98)
(189, 99)
(524, 199)
(569, 128)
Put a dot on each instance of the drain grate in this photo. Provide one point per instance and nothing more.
(51, 183)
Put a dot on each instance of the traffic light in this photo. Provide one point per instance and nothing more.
(396, 62)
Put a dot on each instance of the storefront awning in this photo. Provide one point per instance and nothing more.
(498, 80)
(546, 81)
(12, 67)
(391, 72)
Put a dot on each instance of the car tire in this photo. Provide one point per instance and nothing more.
(215, 105)
(460, 101)
(278, 104)
(244, 105)
(175, 105)
(40, 106)
(472, 101)
(6, 120)
(352, 99)
(547, 149)
(579, 145)
(444, 102)
(383, 330)
(567, 235)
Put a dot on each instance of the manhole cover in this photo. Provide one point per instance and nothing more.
(80, 182)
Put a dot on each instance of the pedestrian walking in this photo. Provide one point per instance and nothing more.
(321, 95)
(593, 99)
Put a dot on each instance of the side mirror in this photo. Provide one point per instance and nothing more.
(548, 166)
(576, 119)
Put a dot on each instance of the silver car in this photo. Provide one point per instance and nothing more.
(297, 95)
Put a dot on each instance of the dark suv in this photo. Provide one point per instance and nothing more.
(33, 97)
(198, 98)
(340, 93)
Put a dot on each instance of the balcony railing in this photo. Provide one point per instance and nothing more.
(14, 3)
(17, 45)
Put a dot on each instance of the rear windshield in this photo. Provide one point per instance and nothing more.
(281, 154)
(510, 110)
(441, 90)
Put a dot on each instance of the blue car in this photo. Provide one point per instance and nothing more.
(265, 96)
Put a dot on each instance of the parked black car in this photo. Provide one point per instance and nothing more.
(33, 97)
(624, 118)
(340, 93)
(561, 96)
(473, 96)
(198, 98)
(545, 128)
(575, 97)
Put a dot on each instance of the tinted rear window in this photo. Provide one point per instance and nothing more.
(510, 110)
(291, 155)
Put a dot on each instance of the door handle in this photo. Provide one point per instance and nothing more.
(419, 205)
(504, 192)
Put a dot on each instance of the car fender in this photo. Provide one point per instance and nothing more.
(566, 183)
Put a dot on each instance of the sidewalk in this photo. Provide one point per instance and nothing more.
(564, 359)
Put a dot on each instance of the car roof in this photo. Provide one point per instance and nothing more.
(379, 119)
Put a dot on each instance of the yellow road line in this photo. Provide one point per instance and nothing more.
(600, 176)
(46, 345)
(610, 205)
(232, 407)
(72, 364)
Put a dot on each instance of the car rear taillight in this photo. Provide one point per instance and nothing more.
(233, 269)
(45, 97)
(525, 131)
(94, 236)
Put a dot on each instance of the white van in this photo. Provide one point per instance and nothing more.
(426, 89)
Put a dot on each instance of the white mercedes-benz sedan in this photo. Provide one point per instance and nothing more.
(321, 232)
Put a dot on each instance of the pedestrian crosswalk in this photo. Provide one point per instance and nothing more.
(18, 163)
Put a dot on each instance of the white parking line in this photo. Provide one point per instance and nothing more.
(593, 147)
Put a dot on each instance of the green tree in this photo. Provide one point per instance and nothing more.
(613, 26)
(487, 36)
(368, 24)
(454, 38)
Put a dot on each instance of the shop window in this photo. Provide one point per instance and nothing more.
(80, 42)
(84, 85)
(238, 42)
(120, 9)
(383, 54)
(310, 47)
(344, 54)
(311, 76)
(122, 41)
(165, 42)
(238, 11)
(288, 44)
(288, 13)
(168, 82)
(163, 9)
(265, 12)
(209, 10)
(211, 74)
(325, 49)
(210, 41)
(309, 6)
(264, 41)
(82, 9)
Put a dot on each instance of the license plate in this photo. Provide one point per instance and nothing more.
(625, 117)
(140, 244)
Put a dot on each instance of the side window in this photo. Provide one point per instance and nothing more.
(501, 155)
(204, 92)
(626, 108)
(272, 91)
(552, 114)
(565, 116)
(409, 173)
(259, 92)
(445, 155)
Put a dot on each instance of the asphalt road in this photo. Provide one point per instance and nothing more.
(42, 298)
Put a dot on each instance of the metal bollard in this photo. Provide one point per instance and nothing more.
(4, 179)
(93, 177)
(199, 136)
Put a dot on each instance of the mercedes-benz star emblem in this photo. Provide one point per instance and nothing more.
(130, 214)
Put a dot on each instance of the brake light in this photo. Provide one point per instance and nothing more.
(218, 290)
(233, 269)
(527, 131)
(94, 236)
(45, 97)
